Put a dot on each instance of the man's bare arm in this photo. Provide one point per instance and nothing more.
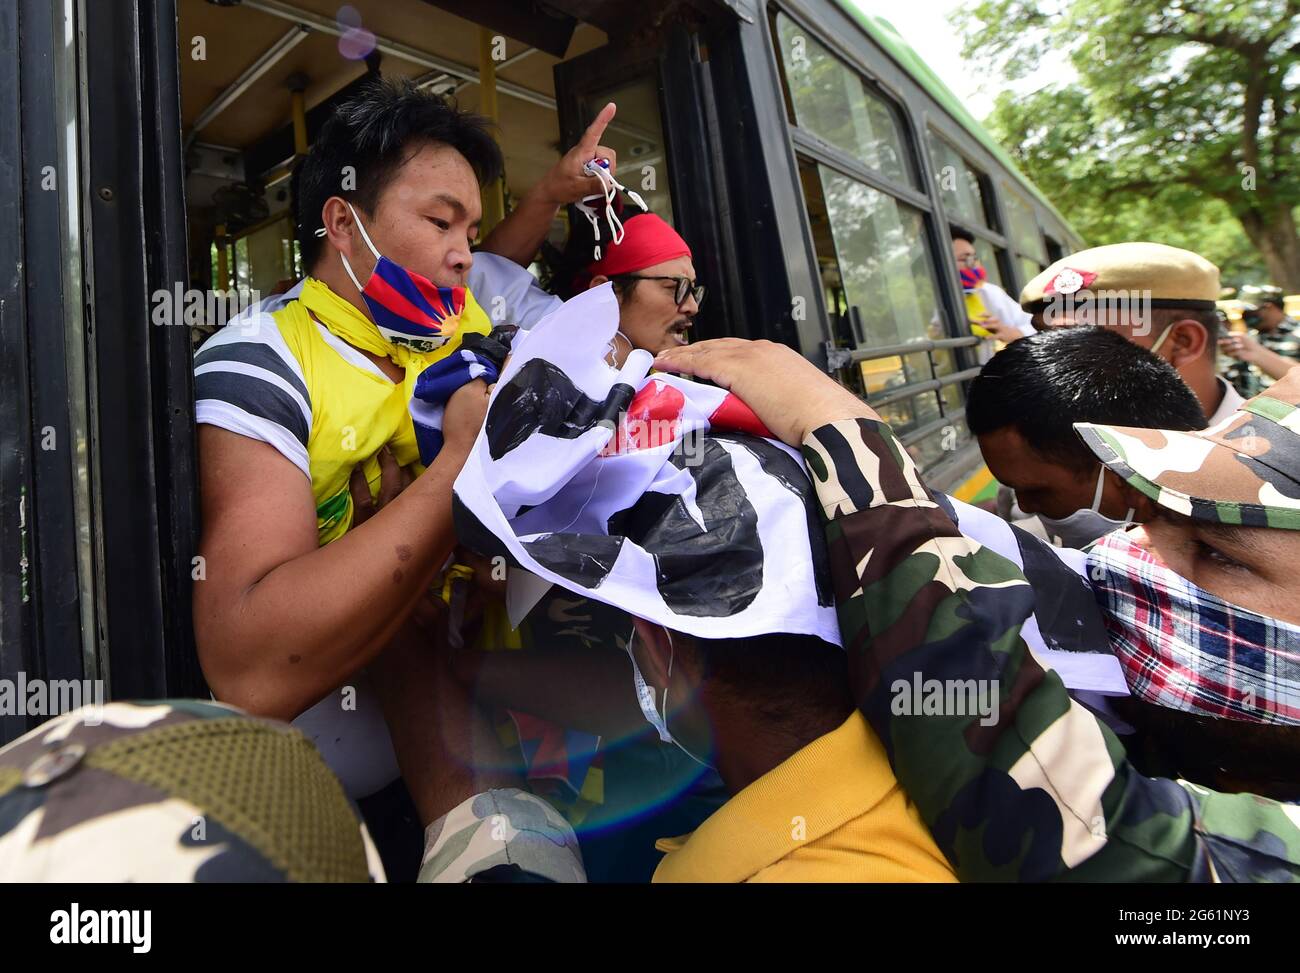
(279, 621)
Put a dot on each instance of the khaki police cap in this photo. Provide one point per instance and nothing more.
(1166, 276)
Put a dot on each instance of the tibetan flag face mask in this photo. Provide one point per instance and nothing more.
(407, 308)
(972, 278)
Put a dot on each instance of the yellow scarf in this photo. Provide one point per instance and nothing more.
(355, 411)
(350, 324)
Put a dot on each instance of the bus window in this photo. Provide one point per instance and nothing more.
(833, 102)
(874, 260)
(1023, 228)
(877, 273)
(959, 184)
(991, 259)
(1029, 269)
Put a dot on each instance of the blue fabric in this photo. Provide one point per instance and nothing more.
(480, 356)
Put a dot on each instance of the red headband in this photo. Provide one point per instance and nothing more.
(647, 240)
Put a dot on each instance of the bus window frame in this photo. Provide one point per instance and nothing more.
(936, 235)
(147, 489)
(1008, 268)
(991, 228)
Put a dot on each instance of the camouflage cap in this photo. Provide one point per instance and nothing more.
(179, 790)
(1167, 276)
(1244, 470)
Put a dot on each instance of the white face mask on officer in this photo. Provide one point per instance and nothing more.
(1155, 346)
(645, 697)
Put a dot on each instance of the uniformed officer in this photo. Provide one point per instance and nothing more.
(1159, 297)
(1047, 792)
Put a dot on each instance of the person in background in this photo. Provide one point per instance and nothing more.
(1268, 350)
(1047, 792)
(1162, 298)
(994, 311)
(1022, 408)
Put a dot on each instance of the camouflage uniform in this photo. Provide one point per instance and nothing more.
(1283, 340)
(501, 835)
(1046, 792)
(175, 791)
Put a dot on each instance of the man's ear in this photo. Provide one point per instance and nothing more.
(339, 224)
(653, 652)
(597, 281)
(1187, 341)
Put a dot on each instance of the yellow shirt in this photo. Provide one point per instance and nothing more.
(832, 812)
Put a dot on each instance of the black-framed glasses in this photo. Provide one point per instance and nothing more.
(685, 286)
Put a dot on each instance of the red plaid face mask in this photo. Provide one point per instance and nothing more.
(1187, 649)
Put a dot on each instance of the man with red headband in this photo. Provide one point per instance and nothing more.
(646, 259)
(654, 281)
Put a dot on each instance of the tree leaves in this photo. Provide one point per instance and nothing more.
(1183, 123)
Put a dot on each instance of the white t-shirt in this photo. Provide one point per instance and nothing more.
(1005, 308)
(1232, 400)
(507, 292)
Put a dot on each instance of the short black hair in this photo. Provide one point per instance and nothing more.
(1043, 384)
(959, 234)
(1275, 300)
(375, 132)
(797, 682)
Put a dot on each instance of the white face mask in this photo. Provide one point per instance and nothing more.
(1085, 526)
(612, 357)
(645, 697)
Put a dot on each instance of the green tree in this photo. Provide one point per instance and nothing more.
(1184, 118)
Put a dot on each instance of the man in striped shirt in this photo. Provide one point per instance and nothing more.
(322, 532)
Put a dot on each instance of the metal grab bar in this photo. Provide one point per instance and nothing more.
(912, 347)
(913, 436)
(907, 391)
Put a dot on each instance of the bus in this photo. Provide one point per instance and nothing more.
(811, 158)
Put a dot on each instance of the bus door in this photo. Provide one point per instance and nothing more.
(95, 403)
(662, 136)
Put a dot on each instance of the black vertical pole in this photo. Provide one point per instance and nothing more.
(144, 401)
(16, 608)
